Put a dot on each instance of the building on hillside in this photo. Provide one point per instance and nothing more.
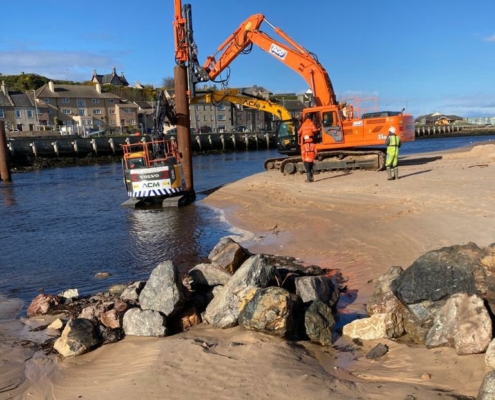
(146, 115)
(41, 111)
(110, 79)
(81, 108)
(25, 112)
(126, 114)
(20, 111)
(7, 111)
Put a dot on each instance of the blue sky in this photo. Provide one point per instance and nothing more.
(428, 55)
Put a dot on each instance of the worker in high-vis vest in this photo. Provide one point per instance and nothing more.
(308, 128)
(393, 143)
(308, 154)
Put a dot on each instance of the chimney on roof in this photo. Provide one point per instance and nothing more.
(98, 88)
(122, 74)
(4, 88)
(51, 86)
(94, 72)
(114, 71)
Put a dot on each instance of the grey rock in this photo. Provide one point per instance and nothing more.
(463, 323)
(438, 274)
(163, 292)
(209, 275)
(487, 388)
(310, 288)
(223, 311)
(319, 323)
(131, 292)
(377, 352)
(138, 322)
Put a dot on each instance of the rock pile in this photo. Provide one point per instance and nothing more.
(445, 298)
(272, 294)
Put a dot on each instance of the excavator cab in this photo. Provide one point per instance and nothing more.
(331, 126)
(287, 142)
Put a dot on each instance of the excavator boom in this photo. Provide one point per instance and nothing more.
(293, 55)
(237, 96)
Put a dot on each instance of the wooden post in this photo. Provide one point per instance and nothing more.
(183, 126)
(4, 163)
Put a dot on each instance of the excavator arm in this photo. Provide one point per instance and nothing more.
(292, 55)
(237, 96)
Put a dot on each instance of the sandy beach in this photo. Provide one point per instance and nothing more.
(356, 222)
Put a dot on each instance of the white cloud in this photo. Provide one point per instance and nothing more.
(490, 38)
(75, 66)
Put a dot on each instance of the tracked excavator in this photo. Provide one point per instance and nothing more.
(343, 142)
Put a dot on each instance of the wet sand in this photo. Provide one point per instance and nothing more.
(357, 222)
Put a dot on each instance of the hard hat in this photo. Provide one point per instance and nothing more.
(391, 129)
(306, 137)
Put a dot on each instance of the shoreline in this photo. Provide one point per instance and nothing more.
(358, 223)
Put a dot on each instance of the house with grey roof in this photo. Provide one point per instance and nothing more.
(20, 111)
(110, 79)
(25, 112)
(81, 107)
(7, 111)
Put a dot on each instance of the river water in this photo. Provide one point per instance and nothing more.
(59, 227)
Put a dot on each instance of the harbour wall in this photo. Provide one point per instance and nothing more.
(75, 146)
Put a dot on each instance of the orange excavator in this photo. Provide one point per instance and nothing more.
(343, 141)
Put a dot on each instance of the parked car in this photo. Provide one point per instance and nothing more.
(205, 129)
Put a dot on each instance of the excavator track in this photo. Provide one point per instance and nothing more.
(327, 161)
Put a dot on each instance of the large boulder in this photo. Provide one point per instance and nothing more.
(223, 311)
(209, 275)
(463, 323)
(270, 310)
(163, 290)
(228, 255)
(78, 337)
(138, 322)
(378, 326)
(438, 274)
(319, 323)
(310, 288)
